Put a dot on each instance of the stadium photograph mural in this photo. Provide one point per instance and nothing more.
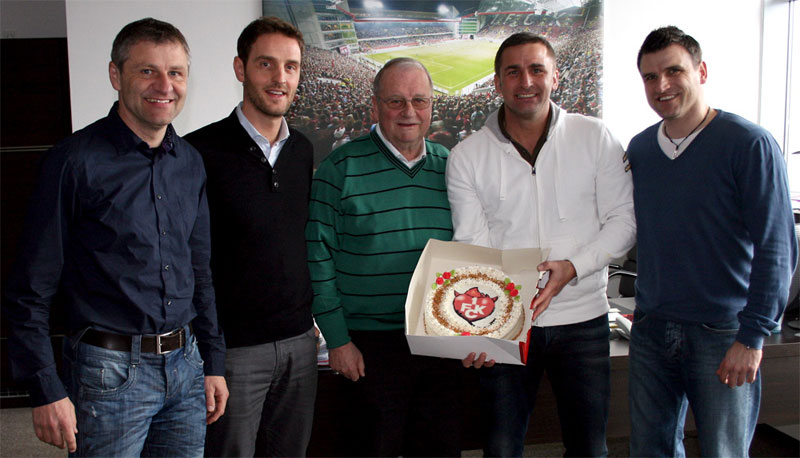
(347, 41)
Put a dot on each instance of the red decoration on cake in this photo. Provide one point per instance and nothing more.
(473, 305)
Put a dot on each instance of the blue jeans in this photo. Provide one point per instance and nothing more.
(576, 359)
(672, 366)
(133, 403)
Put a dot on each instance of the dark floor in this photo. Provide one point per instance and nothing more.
(17, 439)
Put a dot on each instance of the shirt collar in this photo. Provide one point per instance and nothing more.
(283, 133)
(127, 141)
(396, 152)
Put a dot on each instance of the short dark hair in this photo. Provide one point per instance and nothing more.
(663, 37)
(376, 83)
(264, 26)
(147, 29)
(521, 38)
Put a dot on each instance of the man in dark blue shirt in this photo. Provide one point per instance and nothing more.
(119, 229)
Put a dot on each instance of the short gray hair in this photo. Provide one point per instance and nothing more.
(376, 84)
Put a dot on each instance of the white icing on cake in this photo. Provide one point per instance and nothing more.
(474, 300)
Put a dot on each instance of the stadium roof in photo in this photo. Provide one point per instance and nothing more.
(465, 7)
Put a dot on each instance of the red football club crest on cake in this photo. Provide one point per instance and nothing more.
(473, 305)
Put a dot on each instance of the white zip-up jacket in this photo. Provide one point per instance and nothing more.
(578, 203)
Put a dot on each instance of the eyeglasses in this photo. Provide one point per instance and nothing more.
(397, 103)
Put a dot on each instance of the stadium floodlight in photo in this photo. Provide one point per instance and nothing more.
(347, 41)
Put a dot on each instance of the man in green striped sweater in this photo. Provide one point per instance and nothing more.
(375, 202)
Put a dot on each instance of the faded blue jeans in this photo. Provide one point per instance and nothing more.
(132, 404)
(576, 359)
(672, 366)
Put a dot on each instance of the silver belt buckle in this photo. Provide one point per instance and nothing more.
(158, 341)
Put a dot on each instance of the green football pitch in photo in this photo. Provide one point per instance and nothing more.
(453, 64)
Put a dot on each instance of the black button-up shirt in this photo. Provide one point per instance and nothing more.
(121, 232)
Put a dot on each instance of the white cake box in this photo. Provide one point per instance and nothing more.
(517, 264)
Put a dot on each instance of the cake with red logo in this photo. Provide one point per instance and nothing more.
(474, 300)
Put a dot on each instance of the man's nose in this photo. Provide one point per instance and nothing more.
(162, 83)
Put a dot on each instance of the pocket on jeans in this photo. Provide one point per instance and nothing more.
(192, 354)
(721, 328)
(639, 316)
(104, 377)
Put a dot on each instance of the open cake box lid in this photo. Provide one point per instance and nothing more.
(438, 256)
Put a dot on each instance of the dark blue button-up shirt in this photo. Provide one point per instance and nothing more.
(121, 232)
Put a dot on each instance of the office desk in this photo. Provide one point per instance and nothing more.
(780, 399)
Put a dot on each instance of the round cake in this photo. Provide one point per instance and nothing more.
(474, 300)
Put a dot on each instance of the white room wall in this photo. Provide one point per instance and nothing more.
(210, 26)
(729, 32)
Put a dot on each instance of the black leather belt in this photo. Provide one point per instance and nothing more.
(159, 344)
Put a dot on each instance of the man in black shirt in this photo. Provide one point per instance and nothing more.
(259, 179)
(119, 228)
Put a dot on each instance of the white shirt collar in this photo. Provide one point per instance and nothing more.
(271, 152)
(408, 163)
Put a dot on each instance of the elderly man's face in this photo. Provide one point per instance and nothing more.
(404, 127)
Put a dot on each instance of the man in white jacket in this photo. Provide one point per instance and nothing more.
(537, 176)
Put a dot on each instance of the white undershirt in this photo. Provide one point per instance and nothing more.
(669, 147)
(409, 163)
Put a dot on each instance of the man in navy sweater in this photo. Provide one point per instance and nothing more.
(259, 180)
(716, 251)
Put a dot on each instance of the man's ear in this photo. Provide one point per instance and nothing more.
(703, 72)
(238, 68)
(115, 75)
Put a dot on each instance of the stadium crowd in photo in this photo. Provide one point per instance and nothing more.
(333, 102)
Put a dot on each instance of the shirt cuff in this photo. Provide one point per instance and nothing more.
(45, 389)
(750, 338)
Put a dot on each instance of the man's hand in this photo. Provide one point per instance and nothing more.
(216, 397)
(55, 424)
(561, 272)
(347, 360)
(470, 361)
(739, 365)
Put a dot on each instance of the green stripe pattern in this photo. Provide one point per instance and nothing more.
(370, 218)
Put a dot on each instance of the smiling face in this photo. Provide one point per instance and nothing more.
(271, 75)
(152, 87)
(404, 128)
(526, 79)
(672, 84)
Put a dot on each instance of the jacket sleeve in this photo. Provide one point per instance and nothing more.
(614, 194)
(36, 276)
(767, 213)
(322, 238)
(470, 224)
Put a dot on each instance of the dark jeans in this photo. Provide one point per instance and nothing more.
(576, 359)
(406, 404)
(673, 366)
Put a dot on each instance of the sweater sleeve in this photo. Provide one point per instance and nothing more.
(767, 212)
(323, 246)
(614, 193)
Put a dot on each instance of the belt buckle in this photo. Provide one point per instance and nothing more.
(158, 341)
